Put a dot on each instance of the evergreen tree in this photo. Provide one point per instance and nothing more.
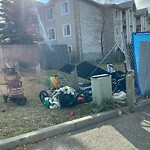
(6, 23)
(14, 18)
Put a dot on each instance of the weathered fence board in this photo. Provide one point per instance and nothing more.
(54, 57)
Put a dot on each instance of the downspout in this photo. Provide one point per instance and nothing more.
(102, 37)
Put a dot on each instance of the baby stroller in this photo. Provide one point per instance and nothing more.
(14, 87)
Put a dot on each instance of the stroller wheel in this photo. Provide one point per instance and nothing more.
(21, 101)
(42, 95)
(5, 98)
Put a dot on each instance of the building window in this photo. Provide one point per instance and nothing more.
(51, 34)
(49, 13)
(69, 48)
(66, 30)
(117, 31)
(116, 13)
(131, 28)
(130, 10)
(144, 24)
(64, 8)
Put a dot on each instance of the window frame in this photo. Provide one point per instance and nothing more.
(62, 13)
(117, 31)
(116, 14)
(47, 13)
(54, 34)
(63, 27)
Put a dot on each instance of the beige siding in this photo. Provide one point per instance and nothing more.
(59, 21)
(88, 14)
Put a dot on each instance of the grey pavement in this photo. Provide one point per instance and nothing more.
(128, 132)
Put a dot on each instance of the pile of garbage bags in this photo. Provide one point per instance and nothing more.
(119, 96)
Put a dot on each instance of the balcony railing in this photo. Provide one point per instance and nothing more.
(138, 23)
(124, 21)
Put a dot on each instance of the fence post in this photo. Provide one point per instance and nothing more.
(17, 67)
(130, 89)
(38, 72)
(74, 80)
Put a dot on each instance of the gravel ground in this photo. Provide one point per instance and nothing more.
(129, 132)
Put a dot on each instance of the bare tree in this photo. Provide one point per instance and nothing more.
(99, 27)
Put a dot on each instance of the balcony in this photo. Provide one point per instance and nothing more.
(138, 30)
(138, 23)
(124, 22)
(138, 26)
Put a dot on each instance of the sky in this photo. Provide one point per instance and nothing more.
(43, 1)
(139, 3)
(142, 3)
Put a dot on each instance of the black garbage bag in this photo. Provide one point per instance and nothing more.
(67, 100)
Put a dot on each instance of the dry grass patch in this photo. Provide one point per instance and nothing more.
(17, 120)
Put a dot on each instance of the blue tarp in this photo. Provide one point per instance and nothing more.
(141, 42)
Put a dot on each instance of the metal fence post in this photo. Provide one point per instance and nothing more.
(130, 89)
(17, 67)
(74, 80)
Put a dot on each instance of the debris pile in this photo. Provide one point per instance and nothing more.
(67, 96)
(86, 70)
(63, 97)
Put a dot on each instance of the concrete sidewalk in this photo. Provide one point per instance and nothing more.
(129, 132)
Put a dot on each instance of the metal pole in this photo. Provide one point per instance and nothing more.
(126, 52)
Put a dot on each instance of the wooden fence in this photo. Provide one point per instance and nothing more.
(29, 55)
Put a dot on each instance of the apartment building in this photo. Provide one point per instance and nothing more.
(133, 20)
(141, 16)
(149, 22)
(58, 21)
(91, 29)
(84, 25)
(128, 20)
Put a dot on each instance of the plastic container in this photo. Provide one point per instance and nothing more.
(48, 82)
(101, 88)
